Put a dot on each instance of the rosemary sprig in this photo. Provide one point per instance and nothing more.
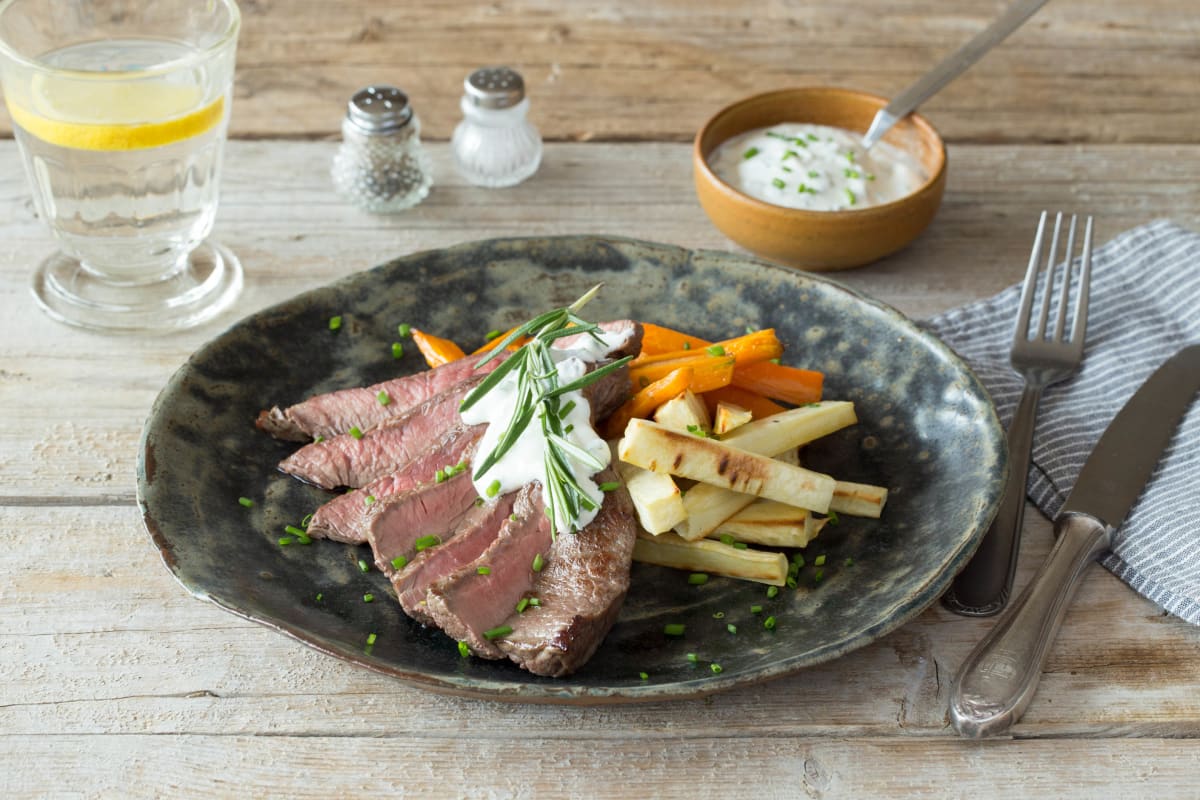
(538, 395)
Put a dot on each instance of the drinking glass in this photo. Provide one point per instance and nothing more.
(120, 109)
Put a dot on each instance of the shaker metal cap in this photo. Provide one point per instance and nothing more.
(379, 109)
(495, 87)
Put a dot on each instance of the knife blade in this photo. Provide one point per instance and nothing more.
(999, 677)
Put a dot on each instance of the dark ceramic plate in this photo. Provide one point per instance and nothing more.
(927, 430)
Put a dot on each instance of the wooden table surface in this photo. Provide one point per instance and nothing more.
(116, 682)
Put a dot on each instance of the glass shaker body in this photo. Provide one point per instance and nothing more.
(380, 165)
(496, 146)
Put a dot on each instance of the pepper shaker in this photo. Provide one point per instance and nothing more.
(380, 165)
(495, 145)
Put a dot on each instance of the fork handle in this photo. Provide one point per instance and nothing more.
(999, 678)
(983, 587)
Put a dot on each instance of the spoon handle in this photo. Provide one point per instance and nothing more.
(950, 68)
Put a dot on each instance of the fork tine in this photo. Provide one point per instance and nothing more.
(1048, 284)
(1064, 293)
(1028, 288)
(1079, 326)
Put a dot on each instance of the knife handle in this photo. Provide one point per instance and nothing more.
(999, 677)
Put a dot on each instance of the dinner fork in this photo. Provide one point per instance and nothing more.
(1042, 357)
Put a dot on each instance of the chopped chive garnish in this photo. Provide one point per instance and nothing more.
(370, 638)
(812, 173)
(335, 323)
(497, 632)
(245, 502)
(493, 334)
(538, 563)
(512, 517)
(778, 183)
(535, 602)
(356, 432)
(850, 197)
(791, 582)
(870, 177)
(610, 486)
(793, 569)
(404, 329)
(740, 546)
(369, 499)
(751, 153)
(786, 168)
(850, 156)
(643, 676)
(567, 408)
(293, 530)
(812, 137)
(483, 570)
(674, 629)
(478, 502)
(696, 430)
(568, 429)
(755, 609)
(769, 623)
(716, 668)
(715, 350)
(776, 360)
(463, 650)
(399, 562)
(727, 539)
(849, 562)
(320, 596)
(692, 657)
(790, 154)
(731, 628)
(285, 540)
(687, 345)
(494, 488)
(304, 523)
(319, 439)
(363, 566)
(820, 573)
(439, 476)
(368, 598)
(426, 542)
(772, 591)
(852, 173)
(718, 615)
(522, 604)
(698, 579)
(798, 560)
(819, 561)
(304, 538)
(383, 398)
(397, 350)
(833, 516)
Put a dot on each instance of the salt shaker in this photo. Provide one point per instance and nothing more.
(495, 145)
(380, 165)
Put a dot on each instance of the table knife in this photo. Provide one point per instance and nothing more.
(998, 679)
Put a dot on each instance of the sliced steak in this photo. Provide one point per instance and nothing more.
(345, 460)
(432, 509)
(462, 549)
(579, 591)
(466, 604)
(330, 414)
(344, 518)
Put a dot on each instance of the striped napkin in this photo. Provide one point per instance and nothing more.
(1145, 305)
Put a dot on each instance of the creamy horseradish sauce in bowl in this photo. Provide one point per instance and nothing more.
(784, 174)
(816, 167)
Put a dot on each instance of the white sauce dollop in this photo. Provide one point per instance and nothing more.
(816, 167)
(526, 460)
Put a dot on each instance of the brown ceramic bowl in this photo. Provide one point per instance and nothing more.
(818, 240)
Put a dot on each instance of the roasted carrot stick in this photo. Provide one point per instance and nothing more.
(749, 349)
(643, 402)
(709, 372)
(753, 402)
(656, 340)
(437, 351)
(789, 384)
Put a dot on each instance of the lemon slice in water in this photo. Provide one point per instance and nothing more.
(99, 115)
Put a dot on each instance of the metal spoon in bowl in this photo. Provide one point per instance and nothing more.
(950, 68)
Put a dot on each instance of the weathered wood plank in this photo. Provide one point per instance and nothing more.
(519, 765)
(1080, 70)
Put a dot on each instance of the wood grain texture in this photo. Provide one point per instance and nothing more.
(1078, 71)
(117, 682)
